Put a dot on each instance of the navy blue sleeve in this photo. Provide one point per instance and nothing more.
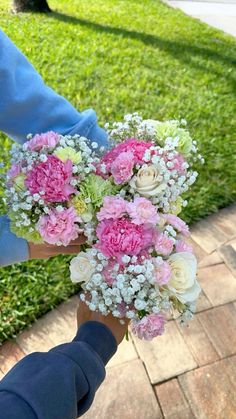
(61, 383)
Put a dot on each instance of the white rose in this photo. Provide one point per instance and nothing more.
(81, 268)
(146, 181)
(183, 282)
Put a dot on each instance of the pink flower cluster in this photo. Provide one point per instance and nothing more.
(59, 227)
(163, 244)
(120, 237)
(149, 326)
(132, 151)
(141, 211)
(48, 139)
(162, 272)
(51, 179)
(177, 223)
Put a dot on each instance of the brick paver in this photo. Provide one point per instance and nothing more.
(68, 310)
(228, 253)
(126, 393)
(188, 373)
(208, 236)
(172, 400)
(210, 390)
(218, 284)
(50, 330)
(220, 326)
(166, 356)
(213, 258)
(203, 302)
(198, 342)
(10, 353)
(126, 352)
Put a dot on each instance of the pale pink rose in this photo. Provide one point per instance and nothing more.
(149, 326)
(163, 244)
(121, 237)
(142, 211)
(48, 139)
(177, 223)
(122, 167)
(59, 227)
(113, 207)
(14, 171)
(52, 178)
(182, 246)
(162, 272)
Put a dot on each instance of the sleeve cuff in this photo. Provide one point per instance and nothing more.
(12, 248)
(99, 337)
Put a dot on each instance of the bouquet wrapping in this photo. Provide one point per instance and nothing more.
(138, 263)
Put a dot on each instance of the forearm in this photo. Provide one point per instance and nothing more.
(62, 382)
(27, 105)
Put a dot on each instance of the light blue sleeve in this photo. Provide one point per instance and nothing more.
(27, 105)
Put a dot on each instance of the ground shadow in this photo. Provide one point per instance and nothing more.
(179, 50)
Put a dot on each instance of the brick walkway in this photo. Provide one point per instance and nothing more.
(190, 372)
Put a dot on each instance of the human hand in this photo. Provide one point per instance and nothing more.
(117, 329)
(46, 250)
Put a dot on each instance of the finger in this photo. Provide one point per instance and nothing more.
(64, 250)
(81, 239)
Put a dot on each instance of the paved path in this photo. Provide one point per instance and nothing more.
(220, 14)
(188, 373)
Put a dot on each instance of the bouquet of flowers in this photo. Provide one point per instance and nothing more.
(139, 265)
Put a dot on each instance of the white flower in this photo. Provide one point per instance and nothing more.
(81, 268)
(183, 282)
(146, 182)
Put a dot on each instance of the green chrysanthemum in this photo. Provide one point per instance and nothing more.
(96, 188)
(173, 129)
(23, 231)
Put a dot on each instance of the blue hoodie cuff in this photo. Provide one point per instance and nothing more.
(12, 248)
(99, 135)
(99, 337)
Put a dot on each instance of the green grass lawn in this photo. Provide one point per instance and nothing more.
(118, 56)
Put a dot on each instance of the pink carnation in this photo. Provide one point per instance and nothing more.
(149, 326)
(137, 148)
(52, 178)
(162, 272)
(48, 139)
(59, 227)
(177, 223)
(121, 237)
(142, 211)
(122, 167)
(113, 207)
(182, 246)
(163, 244)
